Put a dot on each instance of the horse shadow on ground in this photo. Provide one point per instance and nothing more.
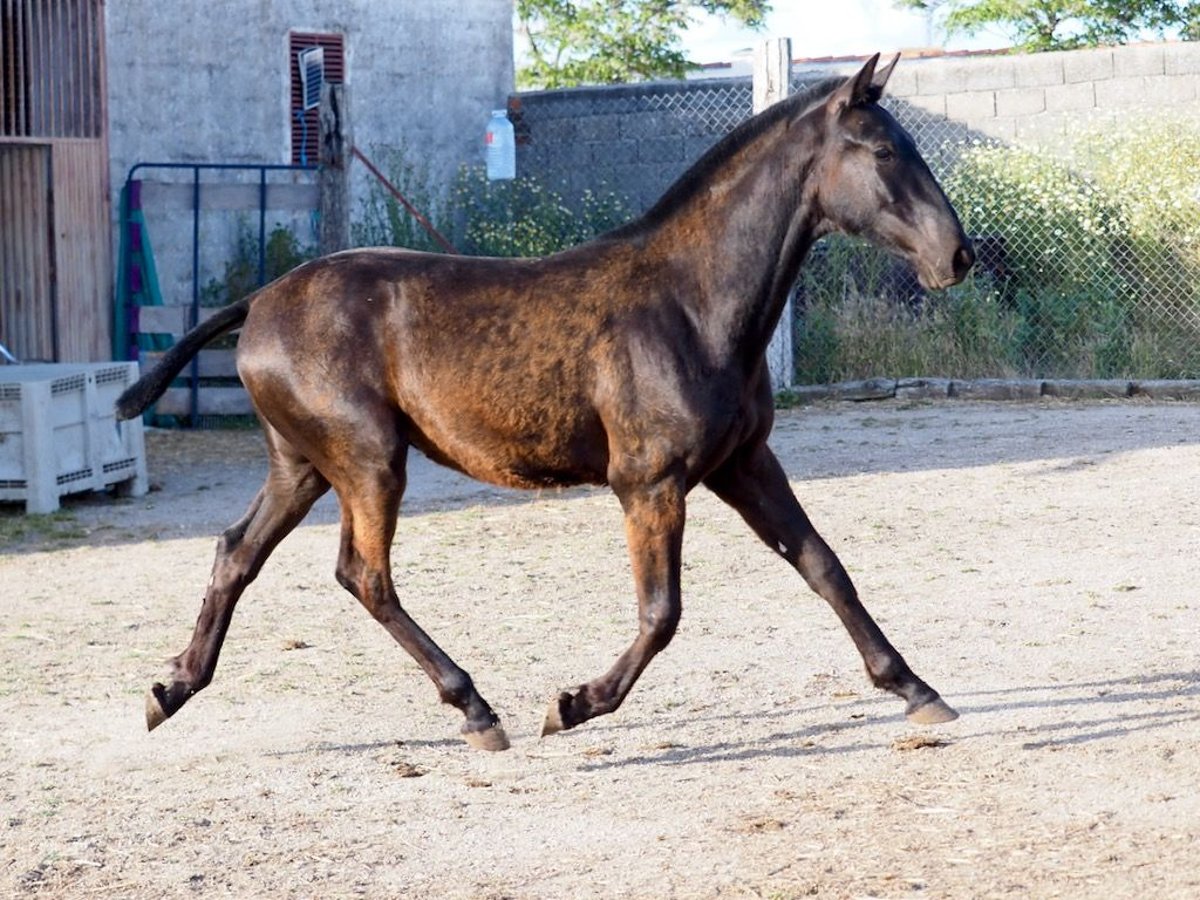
(1077, 725)
(1090, 711)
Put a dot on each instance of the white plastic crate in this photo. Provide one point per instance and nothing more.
(59, 434)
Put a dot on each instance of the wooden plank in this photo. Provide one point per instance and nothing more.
(212, 363)
(1168, 389)
(922, 388)
(24, 66)
(26, 291)
(772, 72)
(177, 196)
(213, 401)
(82, 251)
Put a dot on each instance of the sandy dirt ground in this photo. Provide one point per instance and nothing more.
(1034, 563)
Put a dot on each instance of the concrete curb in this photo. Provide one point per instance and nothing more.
(992, 389)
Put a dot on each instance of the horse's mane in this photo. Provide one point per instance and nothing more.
(700, 171)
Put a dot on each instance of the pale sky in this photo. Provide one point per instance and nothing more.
(830, 28)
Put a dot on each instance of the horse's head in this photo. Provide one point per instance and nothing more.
(871, 181)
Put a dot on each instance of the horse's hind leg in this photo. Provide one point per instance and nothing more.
(753, 483)
(291, 488)
(370, 498)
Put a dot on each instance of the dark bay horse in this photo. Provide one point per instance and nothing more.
(635, 360)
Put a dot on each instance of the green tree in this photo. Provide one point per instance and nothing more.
(573, 42)
(1035, 25)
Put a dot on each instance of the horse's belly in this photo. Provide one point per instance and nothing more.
(520, 460)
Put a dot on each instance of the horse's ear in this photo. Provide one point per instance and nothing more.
(859, 89)
(880, 79)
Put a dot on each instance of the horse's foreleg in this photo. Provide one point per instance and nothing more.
(754, 484)
(289, 492)
(654, 530)
(364, 569)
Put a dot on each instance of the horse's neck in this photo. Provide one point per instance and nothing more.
(743, 234)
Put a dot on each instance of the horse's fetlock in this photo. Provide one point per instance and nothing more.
(889, 674)
(456, 689)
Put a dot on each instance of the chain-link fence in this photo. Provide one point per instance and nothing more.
(634, 140)
(1088, 258)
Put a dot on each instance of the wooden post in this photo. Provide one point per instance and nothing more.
(772, 80)
(334, 179)
(772, 72)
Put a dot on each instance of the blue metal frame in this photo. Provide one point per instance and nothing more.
(196, 168)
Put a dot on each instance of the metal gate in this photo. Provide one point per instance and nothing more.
(189, 211)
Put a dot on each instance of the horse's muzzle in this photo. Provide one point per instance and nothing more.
(944, 276)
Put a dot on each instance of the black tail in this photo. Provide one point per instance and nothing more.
(153, 384)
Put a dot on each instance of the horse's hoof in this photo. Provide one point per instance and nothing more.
(155, 713)
(933, 712)
(492, 738)
(554, 715)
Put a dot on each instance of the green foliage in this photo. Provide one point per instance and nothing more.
(1037, 25)
(17, 528)
(384, 222)
(522, 217)
(1060, 224)
(1150, 165)
(514, 217)
(573, 42)
(849, 328)
(1102, 271)
(1083, 333)
(282, 253)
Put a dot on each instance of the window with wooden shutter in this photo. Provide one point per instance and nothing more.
(331, 63)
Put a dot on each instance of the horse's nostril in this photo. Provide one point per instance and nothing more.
(964, 258)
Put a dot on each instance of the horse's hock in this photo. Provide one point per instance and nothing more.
(59, 435)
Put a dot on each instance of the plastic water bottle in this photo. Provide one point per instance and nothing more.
(500, 147)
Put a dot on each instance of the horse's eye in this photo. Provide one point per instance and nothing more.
(884, 153)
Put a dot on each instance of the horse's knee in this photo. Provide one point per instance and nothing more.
(370, 588)
(659, 620)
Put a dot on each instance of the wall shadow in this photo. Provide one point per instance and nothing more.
(204, 481)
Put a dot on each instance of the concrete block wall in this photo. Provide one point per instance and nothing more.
(1043, 98)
